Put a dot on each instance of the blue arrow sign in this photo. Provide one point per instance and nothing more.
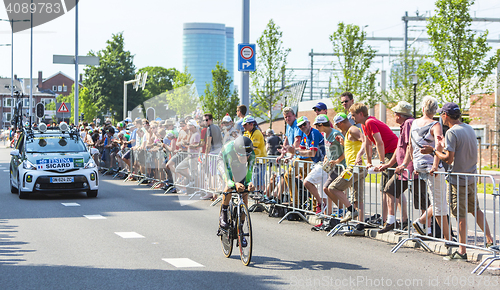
(246, 57)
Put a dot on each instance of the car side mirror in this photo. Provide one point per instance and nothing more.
(14, 152)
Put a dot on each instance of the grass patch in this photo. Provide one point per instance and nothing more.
(494, 168)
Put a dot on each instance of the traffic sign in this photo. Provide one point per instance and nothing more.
(63, 108)
(246, 57)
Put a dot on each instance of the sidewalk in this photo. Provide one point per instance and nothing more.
(392, 237)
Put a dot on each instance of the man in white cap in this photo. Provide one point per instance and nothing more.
(189, 166)
(229, 133)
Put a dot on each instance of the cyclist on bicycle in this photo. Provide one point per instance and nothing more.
(239, 159)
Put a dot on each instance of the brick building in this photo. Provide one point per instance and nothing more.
(23, 86)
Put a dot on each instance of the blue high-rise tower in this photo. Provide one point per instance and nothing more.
(205, 44)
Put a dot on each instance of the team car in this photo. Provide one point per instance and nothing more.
(52, 160)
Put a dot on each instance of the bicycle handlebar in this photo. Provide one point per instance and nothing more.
(245, 191)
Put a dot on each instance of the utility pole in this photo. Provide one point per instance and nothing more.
(245, 79)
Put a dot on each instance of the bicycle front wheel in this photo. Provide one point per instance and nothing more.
(245, 235)
(226, 238)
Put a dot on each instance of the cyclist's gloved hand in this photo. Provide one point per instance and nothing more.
(239, 187)
(251, 187)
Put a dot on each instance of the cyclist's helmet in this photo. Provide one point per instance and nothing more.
(243, 146)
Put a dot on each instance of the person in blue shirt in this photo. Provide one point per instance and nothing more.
(312, 144)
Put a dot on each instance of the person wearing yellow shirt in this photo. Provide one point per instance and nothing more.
(353, 151)
(253, 132)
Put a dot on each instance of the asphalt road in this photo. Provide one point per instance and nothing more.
(130, 237)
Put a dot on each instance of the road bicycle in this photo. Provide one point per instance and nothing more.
(240, 226)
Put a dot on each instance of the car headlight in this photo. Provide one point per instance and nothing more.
(28, 165)
(90, 164)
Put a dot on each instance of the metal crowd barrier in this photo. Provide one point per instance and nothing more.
(284, 183)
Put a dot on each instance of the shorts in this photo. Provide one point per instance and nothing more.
(357, 182)
(472, 201)
(191, 164)
(395, 186)
(437, 192)
(317, 175)
(387, 174)
(127, 155)
(331, 177)
(420, 198)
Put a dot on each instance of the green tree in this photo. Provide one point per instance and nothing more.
(86, 104)
(183, 99)
(218, 99)
(105, 81)
(459, 51)
(271, 66)
(354, 58)
(159, 80)
(401, 84)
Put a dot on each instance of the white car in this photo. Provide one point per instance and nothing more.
(52, 160)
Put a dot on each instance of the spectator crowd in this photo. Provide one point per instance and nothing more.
(168, 153)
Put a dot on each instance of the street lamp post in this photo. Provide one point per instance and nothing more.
(414, 80)
(12, 61)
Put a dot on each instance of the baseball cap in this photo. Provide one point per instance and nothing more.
(403, 108)
(339, 118)
(192, 122)
(226, 119)
(320, 106)
(449, 108)
(321, 119)
(270, 131)
(248, 119)
(302, 120)
(169, 122)
(170, 134)
(127, 120)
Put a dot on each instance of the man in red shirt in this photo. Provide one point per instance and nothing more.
(381, 135)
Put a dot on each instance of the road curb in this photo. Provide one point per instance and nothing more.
(473, 255)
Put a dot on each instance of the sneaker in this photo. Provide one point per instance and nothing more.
(419, 227)
(387, 228)
(456, 256)
(223, 220)
(355, 233)
(320, 207)
(349, 216)
(338, 213)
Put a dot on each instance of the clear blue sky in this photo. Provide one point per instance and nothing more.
(153, 29)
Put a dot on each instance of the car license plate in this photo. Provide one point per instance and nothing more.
(62, 179)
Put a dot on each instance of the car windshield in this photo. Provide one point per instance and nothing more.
(54, 143)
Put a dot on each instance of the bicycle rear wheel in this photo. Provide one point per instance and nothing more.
(226, 238)
(245, 231)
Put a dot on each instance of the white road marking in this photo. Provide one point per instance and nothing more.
(182, 263)
(70, 204)
(129, 235)
(94, 216)
(6, 170)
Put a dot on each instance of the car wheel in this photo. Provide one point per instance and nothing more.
(22, 195)
(92, 193)
(13, 189)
